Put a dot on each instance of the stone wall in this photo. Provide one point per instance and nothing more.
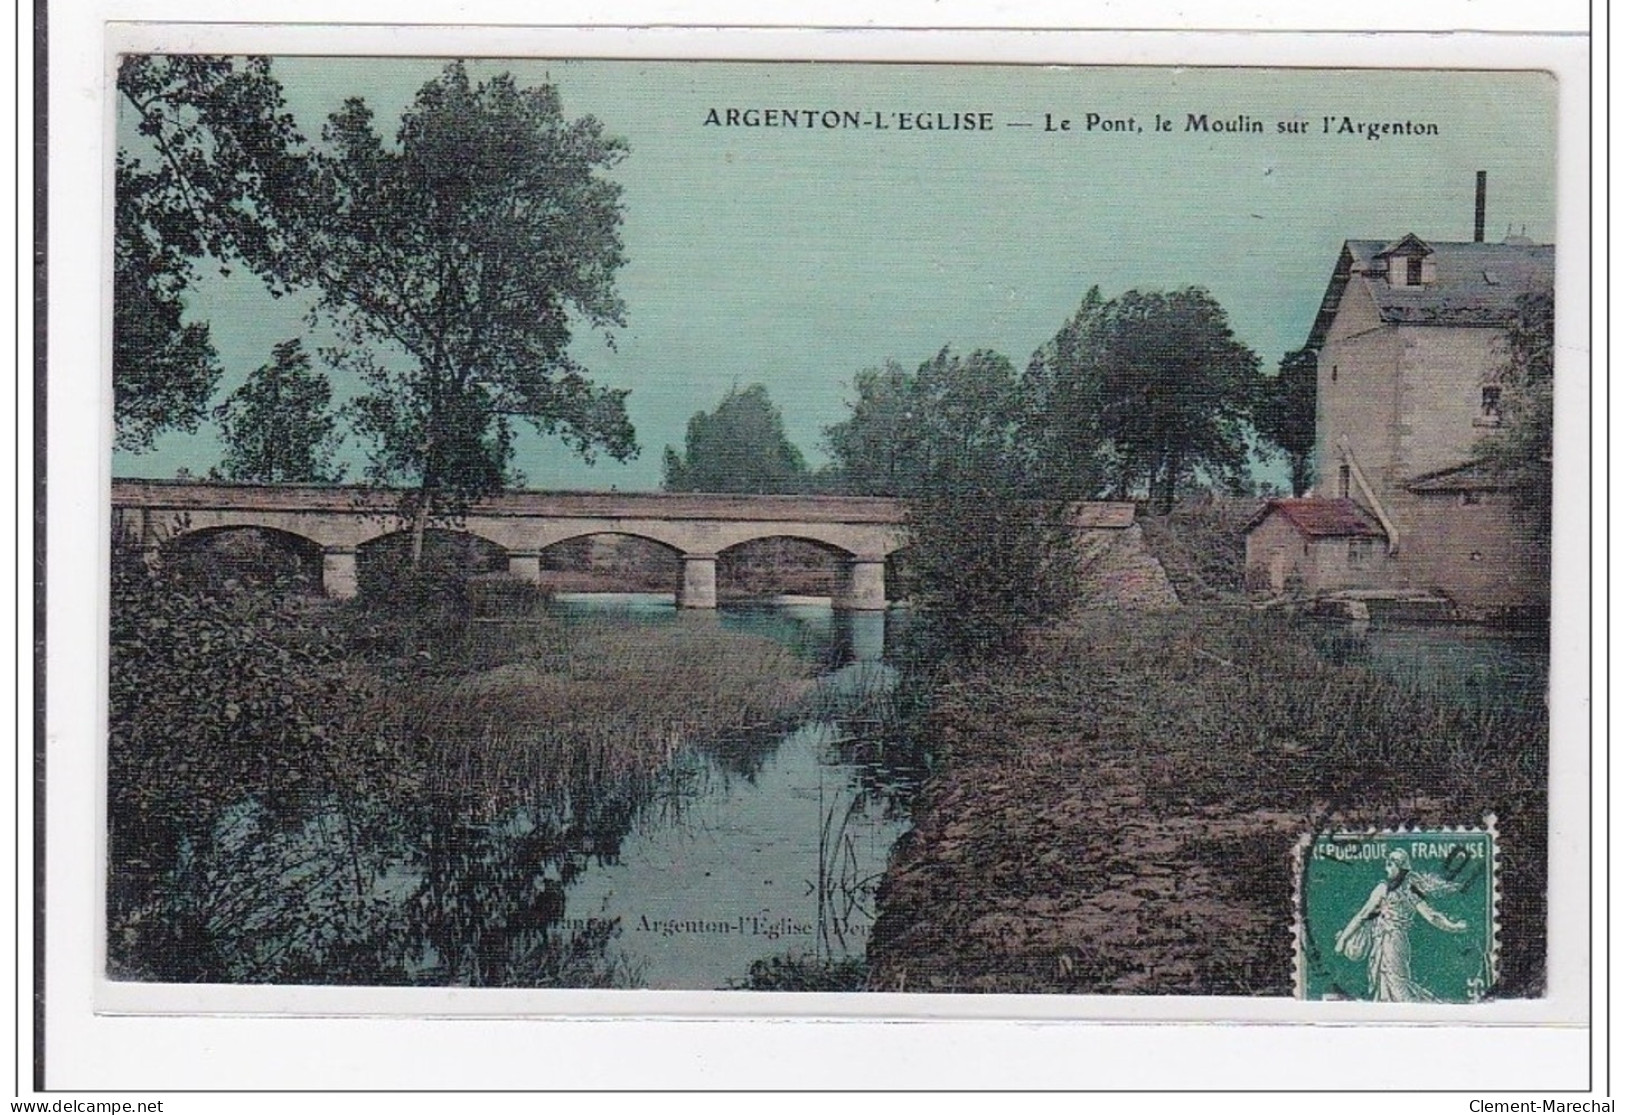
(1116, 570)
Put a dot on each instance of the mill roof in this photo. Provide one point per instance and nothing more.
(1474, 283)
(1471, 476)
(1322, 518)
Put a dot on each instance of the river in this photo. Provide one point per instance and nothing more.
(750, 865)
(741, 851)
(1480, 666)
(744, 848)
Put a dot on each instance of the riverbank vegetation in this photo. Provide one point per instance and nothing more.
(1116, 809)
(546, 707)
(299, 791)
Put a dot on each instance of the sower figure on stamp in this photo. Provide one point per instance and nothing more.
(1380, 933)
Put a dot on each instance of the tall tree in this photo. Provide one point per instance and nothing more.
(990, 550)
(879, 449)
(211, 170)
(1519, 451)
(1285, 414)
(1064, 393)
(454, 263)
(970, 416)
(956, 419)
(1178, 392)
(739, 447)
(278, 426)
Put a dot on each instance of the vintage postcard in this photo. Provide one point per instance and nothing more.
(696, 526)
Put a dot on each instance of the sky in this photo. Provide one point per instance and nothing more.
(795, 257)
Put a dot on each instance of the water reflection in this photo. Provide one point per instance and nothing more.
(742, 848)
(808, 625)
(784, 842)
(861, 636)
(375, 893)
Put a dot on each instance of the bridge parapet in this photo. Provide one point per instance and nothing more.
(185, 495)
(697, 526)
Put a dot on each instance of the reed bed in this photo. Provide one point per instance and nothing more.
(566, 709)
(1253, 710)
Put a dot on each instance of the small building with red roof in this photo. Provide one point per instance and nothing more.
(1313, 545)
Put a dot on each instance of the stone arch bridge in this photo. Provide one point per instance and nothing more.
(698, 527)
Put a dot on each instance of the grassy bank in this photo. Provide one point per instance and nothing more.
(542, 706)
(1117, 809)
(300, 793)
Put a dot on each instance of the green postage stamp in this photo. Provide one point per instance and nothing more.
(1406, 916)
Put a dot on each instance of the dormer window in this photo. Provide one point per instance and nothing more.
(1409, 262)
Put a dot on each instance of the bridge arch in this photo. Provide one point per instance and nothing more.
(781, 564)
(377, 532)
(160, 529)
(859, 541)
(383, 562)
(855, 579)
(597, 560)
(668, 543)
(244, 553)
(839, 549)
(187, 536)
(674, 535)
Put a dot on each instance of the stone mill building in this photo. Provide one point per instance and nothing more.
(1410, 342)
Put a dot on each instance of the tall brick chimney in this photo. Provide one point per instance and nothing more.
(1478, 208)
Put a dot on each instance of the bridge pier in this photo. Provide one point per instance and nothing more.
(699, 588)
(861, 585)
(338, 572)
(525, 565)
(860, 636)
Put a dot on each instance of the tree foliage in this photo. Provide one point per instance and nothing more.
(1065, 388)
(1285, 414)
(741, 446)
(1519, 451)
(953, 421)
(213, 171)
(453, 262)
(1178, 391)
(879, 449)
(214, 699)
(990, 551)
(1142, 394)
(278, 426)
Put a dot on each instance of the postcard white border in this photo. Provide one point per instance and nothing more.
(102, 1048)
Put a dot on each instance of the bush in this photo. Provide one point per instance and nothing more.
(502, 596)
(214, 700)
(986, 567)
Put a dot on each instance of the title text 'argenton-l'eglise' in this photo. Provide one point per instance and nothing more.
(832, 119)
